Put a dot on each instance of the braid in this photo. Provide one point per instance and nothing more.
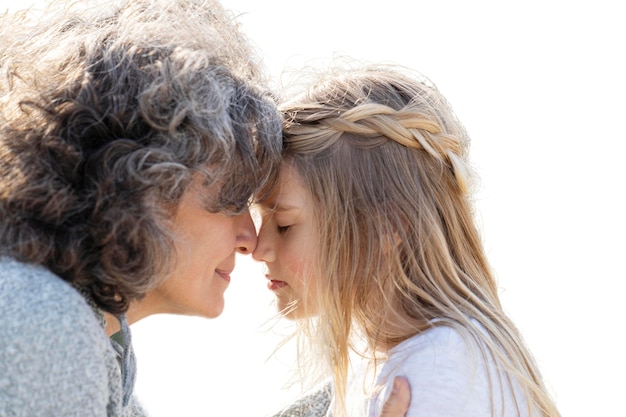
(408, 127)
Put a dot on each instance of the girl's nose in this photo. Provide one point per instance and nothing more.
(264, 251)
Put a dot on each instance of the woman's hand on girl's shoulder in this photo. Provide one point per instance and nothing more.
(398, 402)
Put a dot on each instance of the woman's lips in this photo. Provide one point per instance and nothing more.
(224, 274)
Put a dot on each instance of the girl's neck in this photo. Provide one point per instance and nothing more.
(399, 328)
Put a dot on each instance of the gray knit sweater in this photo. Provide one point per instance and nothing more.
(55, 358)
(313, 404)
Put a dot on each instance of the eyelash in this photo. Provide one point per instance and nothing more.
(283, 229)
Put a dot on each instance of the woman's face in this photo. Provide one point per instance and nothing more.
(287, 243)
(205, 244)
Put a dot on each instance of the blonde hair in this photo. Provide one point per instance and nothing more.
(385, 159)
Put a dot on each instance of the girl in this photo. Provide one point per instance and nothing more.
(370, 243)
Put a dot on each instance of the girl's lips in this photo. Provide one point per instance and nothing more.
(275, 284)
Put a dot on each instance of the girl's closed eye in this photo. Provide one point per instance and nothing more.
(283, 229)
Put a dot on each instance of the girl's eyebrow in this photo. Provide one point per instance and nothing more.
(286, 207)
(277, 207)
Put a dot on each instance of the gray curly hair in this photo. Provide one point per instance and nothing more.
(106, 114)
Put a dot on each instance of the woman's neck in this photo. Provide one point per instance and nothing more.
(138, 309)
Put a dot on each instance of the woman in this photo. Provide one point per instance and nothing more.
(131, 138)
(370, 244)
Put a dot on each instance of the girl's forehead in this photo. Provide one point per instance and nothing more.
(288, 194)
(290, 188)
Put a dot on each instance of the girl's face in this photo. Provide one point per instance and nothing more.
(287, 244)
(205, 244)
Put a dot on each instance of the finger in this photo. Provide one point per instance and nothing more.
(398, 402)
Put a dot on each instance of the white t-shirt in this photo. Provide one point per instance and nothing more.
(448, 377)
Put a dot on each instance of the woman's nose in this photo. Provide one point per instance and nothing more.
(246, 240)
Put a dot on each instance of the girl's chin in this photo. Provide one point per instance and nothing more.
(291, 312)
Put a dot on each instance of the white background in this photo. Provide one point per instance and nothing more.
(540, 86)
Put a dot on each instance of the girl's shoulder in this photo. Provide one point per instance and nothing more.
(451, 371)
(445, 352)
(442, 337)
